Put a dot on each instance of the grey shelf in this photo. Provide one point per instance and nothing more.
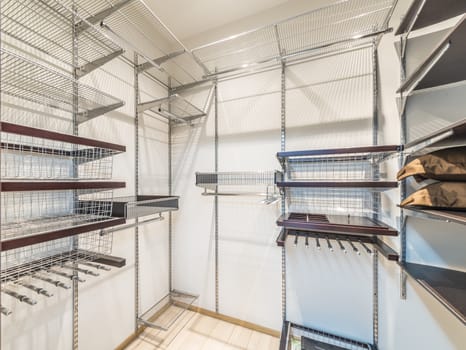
(445, 285)
(143, 205)
(444, 65)
(423, 13)
(174, 108)
(458, 217)
(170, 308)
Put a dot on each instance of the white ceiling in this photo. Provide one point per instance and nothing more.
(188, 18)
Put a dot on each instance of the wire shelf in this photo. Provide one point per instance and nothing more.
(34, 82)
(169, 309)
(296, 337)
(174, 108)
(132, 21)
(252, 183)
(29, 153)
(47, 26)
(28, 217)
(315, 32)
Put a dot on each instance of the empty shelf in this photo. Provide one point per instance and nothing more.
(346, 23)
(364, 151)
(136, 206)
(445, 65)
(45, 230)
(447, 286)
(174, 108)
(458, 217)
(46, 25)
(361, 185)
(340, 224)
(451, 136)
(165, 312)
(423, 13)
(37, 83)
(299, 337)
(349, 243)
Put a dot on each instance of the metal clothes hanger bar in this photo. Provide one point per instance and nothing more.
(56, 283)
(34, 288)
(22, 298)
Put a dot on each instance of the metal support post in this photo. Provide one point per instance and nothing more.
(216, 197)
(283, 201)
(136, 192)
(170, 192)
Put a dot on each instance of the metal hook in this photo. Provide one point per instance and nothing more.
(38, 290)
(368, 251)
(342, 247)
(329, 245)
(66, 275)
(5, 311)
(22, 298)
(296, 240)
(84, 271)
(306, 243)
(355, 249)
(95, 266)
(317, 243)
(56, 283)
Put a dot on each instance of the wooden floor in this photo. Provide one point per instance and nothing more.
(193, 331)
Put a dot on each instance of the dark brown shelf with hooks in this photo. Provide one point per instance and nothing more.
(336, 224)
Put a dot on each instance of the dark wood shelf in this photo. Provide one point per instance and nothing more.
(444, 65)
(432, 12)
(143, 205)
(50, 235)
(369, 185)
(455, 216)
(378, 244)
(447, 286)
(341, 151)
(17, 186)
(336, 224)
(55, 136)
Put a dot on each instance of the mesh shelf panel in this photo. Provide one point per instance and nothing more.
(37, 83)
(31, 213)
(29, 157)
(318, 29)
(46, 25)
(37, 258)
(173, 107)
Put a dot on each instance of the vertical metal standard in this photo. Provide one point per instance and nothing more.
(403, 139)
(136, 192)
(216, 197)
(170, 192)
(283, 201)
(75, 286)
(375, 196)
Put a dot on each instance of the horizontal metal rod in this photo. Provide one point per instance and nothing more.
(22, 298)
(64, 274)
(95, 266)
(124, 227)
(35, 289)
(56, 283)
(77, 269)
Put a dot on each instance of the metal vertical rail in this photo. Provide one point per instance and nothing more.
(376, 196)
(283, 201)
(75, 286)
(403, 139)
(136, 191)
(216, 197)
(170, 192)
(1, 88)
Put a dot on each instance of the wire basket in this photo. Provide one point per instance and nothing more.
(29, 157)
(31, 213)
(40, 258)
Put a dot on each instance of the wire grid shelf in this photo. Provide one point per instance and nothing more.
(29, 157)
(39, 258)
(251, 178)
(353, 202)
(46, 25)
(136, 23)
(313, 32)
(174, 108)
(34, 82)
(31, 213)
(296, 334)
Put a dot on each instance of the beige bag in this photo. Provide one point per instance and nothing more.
(445, 165)
(439, 195)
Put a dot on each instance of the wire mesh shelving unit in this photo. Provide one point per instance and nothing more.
(332, 28)
(40, 84)
(297, 337)
(252, 183)
(174, 108)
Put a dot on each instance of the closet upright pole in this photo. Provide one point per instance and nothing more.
(136, 192)
(216, 197)
(283, 201)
